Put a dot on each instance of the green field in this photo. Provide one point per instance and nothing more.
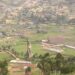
(52, 30)
(4, 56)
(20, 44)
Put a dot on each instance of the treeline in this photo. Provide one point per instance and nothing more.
(55, 65)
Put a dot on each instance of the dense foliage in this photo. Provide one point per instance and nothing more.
(55, 65)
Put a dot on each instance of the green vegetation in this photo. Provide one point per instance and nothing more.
(19, 46)
(57, 65)
(38, 20)
(4, 56)
(3, 68)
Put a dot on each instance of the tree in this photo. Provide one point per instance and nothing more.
(59, 62)
(69, 66)
(45, 64)
(28, 54)
(3, 68)
(28, 71)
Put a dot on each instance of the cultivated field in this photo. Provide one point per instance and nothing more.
(19, 44)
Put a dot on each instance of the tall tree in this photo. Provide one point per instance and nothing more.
(28, 54)
(45, 64)
(59, 62)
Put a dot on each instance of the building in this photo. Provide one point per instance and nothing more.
(56, 40)
(19, 65)
(53, 44)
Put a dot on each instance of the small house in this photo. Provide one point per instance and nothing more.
(19, 65)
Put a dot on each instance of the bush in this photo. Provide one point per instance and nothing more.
(3, 68)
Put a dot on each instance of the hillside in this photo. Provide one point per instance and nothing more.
(26, 14)
(39, 34)
(35, 9)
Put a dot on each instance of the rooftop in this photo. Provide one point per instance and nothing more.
(20, 62)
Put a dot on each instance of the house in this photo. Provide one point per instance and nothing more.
(56, 40)
(52, 47)
(53, 44)
(19, 65)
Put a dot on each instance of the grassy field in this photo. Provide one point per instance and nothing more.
(52, 30)
(19, 44)
(65, 31)
(4, 56)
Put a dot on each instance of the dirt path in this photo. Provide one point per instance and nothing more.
(13, 55)
(70, 46)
